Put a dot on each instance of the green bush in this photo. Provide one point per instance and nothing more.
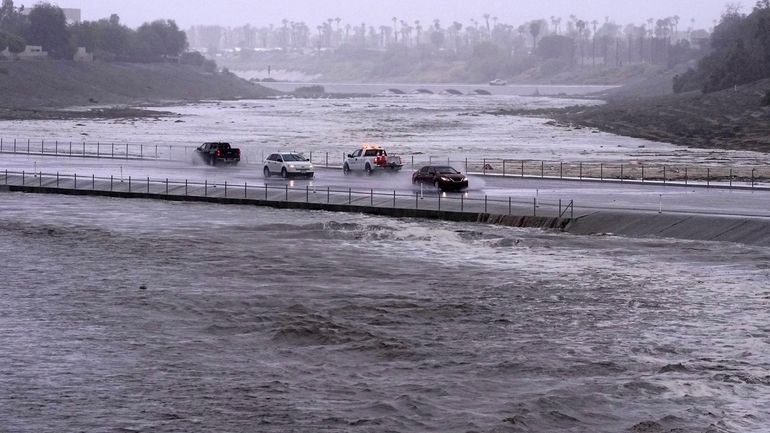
(766, 99)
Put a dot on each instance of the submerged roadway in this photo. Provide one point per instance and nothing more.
(588, 196)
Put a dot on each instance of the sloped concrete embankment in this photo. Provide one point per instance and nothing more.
(751, 231)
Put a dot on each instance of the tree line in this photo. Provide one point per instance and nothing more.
(46, 25)
(740, 52)
(569, 42)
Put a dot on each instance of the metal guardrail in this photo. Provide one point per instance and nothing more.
(701, 174)
(434, 201)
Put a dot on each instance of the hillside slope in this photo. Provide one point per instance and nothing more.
(728, 119)
(57, 84)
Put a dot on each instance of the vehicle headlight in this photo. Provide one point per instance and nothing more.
(445, 179)
(310, 166)
(291, 165)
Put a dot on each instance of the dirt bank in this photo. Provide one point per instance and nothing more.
(730, 119)
(43, 88)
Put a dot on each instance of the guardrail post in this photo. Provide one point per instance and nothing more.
(462, 202)
(581, 171)
(206, 188)
(245, 190)
(156, 151)
(57, 179)
(40, 179)
(466, 165)
(731, 178)
(84, 148)
(110, 183)
(148, 184)
(225, 189)
(93, 182)
(166, 186)
(1, 144)
(185, 187)
(621, 172)
(509, 205)
(350, 195)
(430, 159)
(542, 169)
(42, 147)
(503, 167)
(601, 172)
(28, 146)
(664, 175)
(642, 172)
(76, 181)
(572, 209)
(522, 168)
(559, 208)
(484, 166)
(129, 183)
(394, 198)
(416, 200)
(485, 203)
(14, 145)
(22, 178)
(265, 192)
(534, 206)
(561, 170)
(371, 197)
(752, 177)
(287, 192)
(141, 151)
(708, 177)
(685, 175)
(169, 152)
(126, 150)
(307, 193)
(112, 150)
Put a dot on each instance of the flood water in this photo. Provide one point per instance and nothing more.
(142, 316)
(419, 126)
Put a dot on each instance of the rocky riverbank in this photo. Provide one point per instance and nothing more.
(48, 89)
(730, 119)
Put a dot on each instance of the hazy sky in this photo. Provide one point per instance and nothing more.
(261, 12)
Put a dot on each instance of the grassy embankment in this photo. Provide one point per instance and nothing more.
(42, 89)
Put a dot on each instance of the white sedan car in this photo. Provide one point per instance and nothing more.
(288, 165)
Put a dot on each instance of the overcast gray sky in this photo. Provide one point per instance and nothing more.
(261, 12)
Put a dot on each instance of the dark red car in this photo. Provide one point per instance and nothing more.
(443, 177)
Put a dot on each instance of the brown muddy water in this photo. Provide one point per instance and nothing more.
(142, 316)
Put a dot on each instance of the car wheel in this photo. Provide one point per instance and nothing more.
(346, 169)
(284, 173)
(266, 172)
(310, 176)
(368, 170)
(437, 184)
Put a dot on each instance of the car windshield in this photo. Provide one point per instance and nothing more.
(293, 157)
(446, 170)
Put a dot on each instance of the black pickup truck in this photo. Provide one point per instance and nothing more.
(215, 153)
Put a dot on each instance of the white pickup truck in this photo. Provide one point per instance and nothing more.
(371, 157)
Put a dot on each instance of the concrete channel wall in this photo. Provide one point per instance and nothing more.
(406, 206)
(746, 230)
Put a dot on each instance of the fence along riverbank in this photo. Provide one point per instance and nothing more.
(510, 212)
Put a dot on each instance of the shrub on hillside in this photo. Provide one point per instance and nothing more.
(766, 99)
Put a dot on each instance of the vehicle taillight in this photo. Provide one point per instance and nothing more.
(379, 160)
(238, 152)
(218, 153)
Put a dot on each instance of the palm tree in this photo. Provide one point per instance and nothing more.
(594, 23)
(395, 28)
(581, 25)
(534, 30)
(486, 18)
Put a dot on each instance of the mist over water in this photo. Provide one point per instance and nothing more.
(256, 319)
